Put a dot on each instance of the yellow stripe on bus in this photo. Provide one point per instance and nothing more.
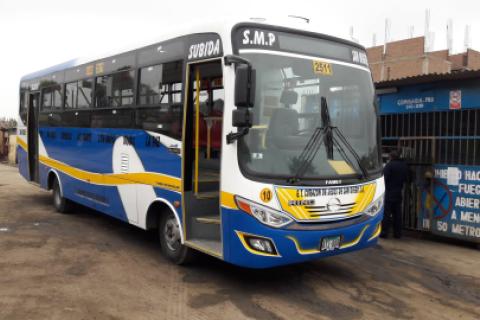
(227, 200)
(355, 241)
(22, 143)
(110, 179)
(364, 198)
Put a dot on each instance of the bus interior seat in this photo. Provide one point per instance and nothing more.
(218, 106)
(288, 98)
(283, 123)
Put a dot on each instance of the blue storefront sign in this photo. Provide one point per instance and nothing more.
(425, 97)
(451, 204)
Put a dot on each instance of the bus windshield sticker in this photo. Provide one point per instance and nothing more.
(99, 68)
(322, 68)
(89, 71)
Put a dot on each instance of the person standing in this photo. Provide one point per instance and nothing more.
(395, 175)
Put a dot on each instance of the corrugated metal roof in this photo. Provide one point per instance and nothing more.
(426, 78)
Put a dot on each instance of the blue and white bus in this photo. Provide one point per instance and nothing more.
(253, 141)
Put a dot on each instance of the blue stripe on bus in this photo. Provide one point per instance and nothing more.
(63, 144)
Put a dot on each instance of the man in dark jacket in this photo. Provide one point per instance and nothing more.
(395, 174)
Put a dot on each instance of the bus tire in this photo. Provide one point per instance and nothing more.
(60, 203)
(170, 240)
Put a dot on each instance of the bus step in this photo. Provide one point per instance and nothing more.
(208, 219)
(207, 195)
(213, 247)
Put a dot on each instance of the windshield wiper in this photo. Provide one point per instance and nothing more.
(308, 153)
(327, 132)
(352, 151)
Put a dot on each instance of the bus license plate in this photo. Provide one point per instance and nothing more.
(330, 243)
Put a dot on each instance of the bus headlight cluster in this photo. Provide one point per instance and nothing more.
(374, 208)
(265, 215)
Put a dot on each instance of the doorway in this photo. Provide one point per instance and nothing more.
(32, 131)
(201, 166)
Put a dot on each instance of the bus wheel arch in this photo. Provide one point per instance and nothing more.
(156, 210)
(163, 217)
(61, 204)
(52, 175)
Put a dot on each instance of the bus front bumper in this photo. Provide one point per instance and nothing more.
(290, 246)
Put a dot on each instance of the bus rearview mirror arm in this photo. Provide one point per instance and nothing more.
(231, 59)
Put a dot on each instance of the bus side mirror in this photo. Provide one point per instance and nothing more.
(241, 118)
(244, 96)
(244, 86)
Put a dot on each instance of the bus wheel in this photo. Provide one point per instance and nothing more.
(170, 240)
(61, 204)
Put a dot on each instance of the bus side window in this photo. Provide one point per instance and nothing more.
(46, 99)
(84, 93)
(71, 95)
(115, 90)
(160, 99)
(23, 108)
(57, 97)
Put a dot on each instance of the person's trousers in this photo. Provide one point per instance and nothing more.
(392, 213)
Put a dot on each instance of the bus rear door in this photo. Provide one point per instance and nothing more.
(32, 132)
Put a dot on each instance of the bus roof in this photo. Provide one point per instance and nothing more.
(222, 27)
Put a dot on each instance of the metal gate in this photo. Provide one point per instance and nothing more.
(425, 139)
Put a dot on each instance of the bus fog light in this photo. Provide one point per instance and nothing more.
(375, 207)
(261, 244)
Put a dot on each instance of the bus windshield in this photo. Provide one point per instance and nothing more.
(287, 115)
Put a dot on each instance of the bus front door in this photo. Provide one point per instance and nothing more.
(32, 131)
(202, 152)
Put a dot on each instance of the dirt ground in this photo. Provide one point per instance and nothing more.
(88, 266)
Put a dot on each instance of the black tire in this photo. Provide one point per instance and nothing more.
(170, 241)
(60, 203)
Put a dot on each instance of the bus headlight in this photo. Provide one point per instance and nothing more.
(265, 215)
(374, 208)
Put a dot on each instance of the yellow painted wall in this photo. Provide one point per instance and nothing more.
(12, 149)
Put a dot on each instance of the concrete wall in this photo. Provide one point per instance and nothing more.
(12, 149)
(3, 142)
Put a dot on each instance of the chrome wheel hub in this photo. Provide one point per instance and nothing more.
(56, 197)
(171, 233)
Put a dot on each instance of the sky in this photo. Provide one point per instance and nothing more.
(38, 34)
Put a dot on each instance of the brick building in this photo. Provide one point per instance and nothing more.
(8, 145)
(406, 58)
